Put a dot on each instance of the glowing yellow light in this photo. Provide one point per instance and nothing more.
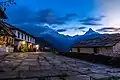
(23, 42)
(37, 46)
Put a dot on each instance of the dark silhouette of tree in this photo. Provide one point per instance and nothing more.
(6, 3)
(3, 5)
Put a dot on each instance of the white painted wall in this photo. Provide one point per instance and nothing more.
(108, 51)
(2, 50)
(86, 50)
(31, 39)
(8, 49)
(74, 50)
(83, 50)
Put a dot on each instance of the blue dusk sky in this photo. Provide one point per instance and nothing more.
(68, 17)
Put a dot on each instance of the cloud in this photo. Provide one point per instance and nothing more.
(91, 20)
(50, 17)
(91, 23)
(62, 30)
(79, 28)
(54, 26)
(69, 17)
(47, 16)
(108, 29)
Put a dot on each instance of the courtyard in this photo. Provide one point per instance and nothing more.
(48, 66)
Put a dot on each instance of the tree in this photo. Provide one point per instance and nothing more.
(6, 3)
(3, 5)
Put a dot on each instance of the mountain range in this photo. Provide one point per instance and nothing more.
(58, 41)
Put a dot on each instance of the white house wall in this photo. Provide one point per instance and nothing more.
(83, 50)
(31, 39)
(108, 51)
(86, 50)
(74, 50)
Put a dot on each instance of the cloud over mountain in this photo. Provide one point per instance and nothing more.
(62, 30)
(92, 20)
(109, 29)
(80, 28)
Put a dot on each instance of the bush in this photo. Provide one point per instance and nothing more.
(24, 48)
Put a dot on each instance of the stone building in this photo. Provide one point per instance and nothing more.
(107, 44)
(6, 35)
(22, 39)
(6, 38)
(15, 37)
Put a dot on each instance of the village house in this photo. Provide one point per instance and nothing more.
(6, 39)
(23, 40)
(107, 44)
(6, 35)
(13, 38)
(19, 39)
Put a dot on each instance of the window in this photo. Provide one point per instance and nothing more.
(25, 37)
(18, 34)
(78, 49)
(96, 50)
(22, 36)
(28, 38)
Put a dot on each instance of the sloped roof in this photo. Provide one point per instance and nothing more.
(7, 29)
(2, 14)
(100, 41)
(15, 28)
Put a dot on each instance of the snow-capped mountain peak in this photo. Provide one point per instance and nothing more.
(90, 32)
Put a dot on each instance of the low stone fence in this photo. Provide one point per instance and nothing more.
(2, 51)
(9, 49)
(6, 50)
(102, 59)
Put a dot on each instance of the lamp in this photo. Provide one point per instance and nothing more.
(37, 46)
(23, 42)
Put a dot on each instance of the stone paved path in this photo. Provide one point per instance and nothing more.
(48, 66)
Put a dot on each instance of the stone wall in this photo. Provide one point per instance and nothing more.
(4, 50)
(74, 49)
(116, 49)
(9, 49)
(107, 51)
